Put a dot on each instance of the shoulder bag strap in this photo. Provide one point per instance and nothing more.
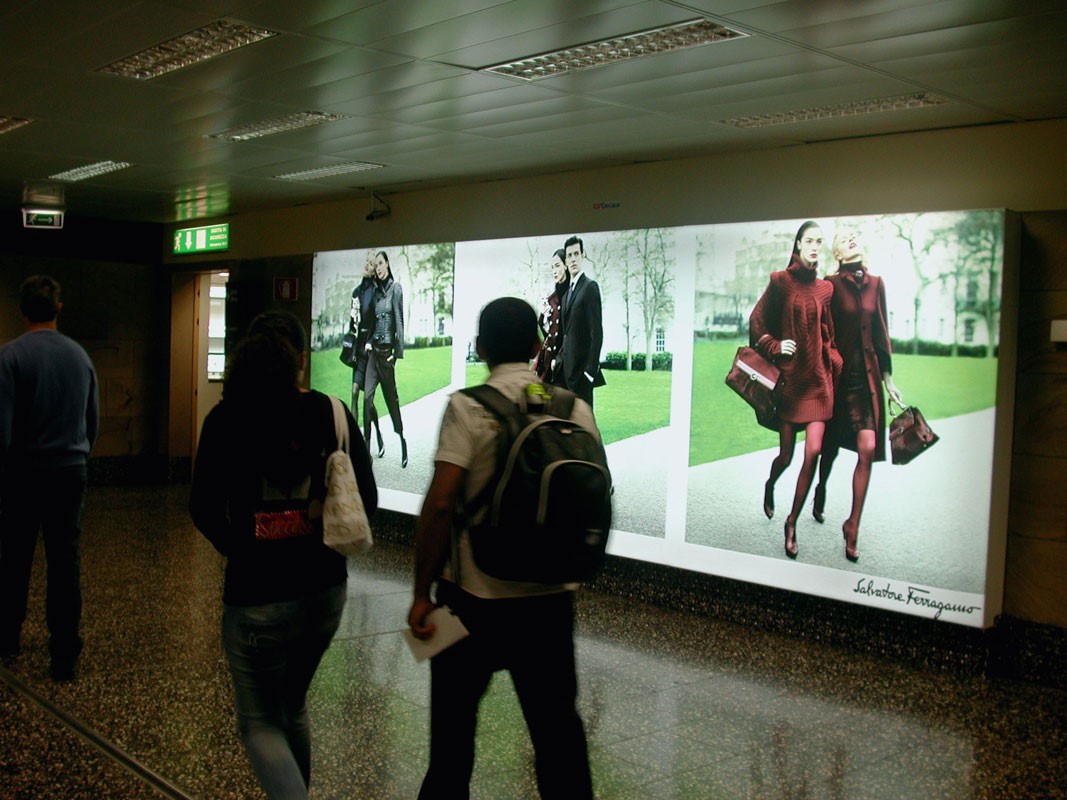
(340, 424)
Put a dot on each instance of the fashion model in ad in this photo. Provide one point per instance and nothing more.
(362, 325)
(386, 348)
(858, 310)
(791, 325)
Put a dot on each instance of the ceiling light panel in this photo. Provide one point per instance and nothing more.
(268, 127)
(188, 49)
(90, 171)
(328, 172)
(8, 124)
(623, 48)
(897, 103)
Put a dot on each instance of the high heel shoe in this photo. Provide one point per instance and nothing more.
(819, 505)
(403, 452)
(381, 444)
(791, 548)
(851, 553)
(768, 499)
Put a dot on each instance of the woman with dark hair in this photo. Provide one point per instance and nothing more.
(549, 322)
(361, 323)
(257, 494)
(387, 345)
(858, 308)
(791, 326)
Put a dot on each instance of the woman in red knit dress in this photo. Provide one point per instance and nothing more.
(858, 309)
(791, 326)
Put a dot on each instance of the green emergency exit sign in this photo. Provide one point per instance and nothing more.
(202, 240)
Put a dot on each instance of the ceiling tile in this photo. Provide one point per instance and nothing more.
(403, 72)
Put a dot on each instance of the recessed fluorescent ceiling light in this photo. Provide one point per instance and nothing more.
(897, 103)
(10, 123)
(326, 172)
(90, 171)
(188, 49)
(302, 119)
(622, 48)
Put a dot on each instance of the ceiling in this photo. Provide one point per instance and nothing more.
(406, 75)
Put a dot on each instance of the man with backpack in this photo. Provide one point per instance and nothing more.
(523, 626)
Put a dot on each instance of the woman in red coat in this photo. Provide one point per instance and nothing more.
(791, 326)
(858, 309)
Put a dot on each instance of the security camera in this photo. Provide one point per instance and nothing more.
(375, 212)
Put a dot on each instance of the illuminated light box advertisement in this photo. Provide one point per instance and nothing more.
(419, 293)
(918, 298)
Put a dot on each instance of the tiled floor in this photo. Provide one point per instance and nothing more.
(676, 705)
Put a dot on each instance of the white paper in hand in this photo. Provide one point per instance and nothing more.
(450, 629)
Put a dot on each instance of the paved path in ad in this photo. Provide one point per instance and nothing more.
(639, 465)
(925, 522)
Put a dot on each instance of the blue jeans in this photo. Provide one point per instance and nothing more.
(50, 502)
(273, 651)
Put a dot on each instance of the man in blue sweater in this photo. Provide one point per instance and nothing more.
(48, 423)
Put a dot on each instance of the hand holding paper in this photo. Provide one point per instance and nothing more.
(448, 629)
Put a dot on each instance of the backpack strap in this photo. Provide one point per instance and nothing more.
(503, 409)
(511, 418)
(559, 402)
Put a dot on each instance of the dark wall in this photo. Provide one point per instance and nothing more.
(81, 238)
(116, 305)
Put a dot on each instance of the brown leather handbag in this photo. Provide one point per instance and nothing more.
(755, 379)
(910, 435)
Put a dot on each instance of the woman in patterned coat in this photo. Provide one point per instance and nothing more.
(549, 321)
(387, 346)
(791, 326)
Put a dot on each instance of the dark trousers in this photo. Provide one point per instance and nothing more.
(575, 380)
(49, 501)
(380, 370)
(533, 639)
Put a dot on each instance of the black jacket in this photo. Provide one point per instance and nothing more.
(237, 462)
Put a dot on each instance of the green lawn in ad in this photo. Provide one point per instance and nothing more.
(630, 404)
(723, 425)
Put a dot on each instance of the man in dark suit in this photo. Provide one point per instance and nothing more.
(583, 328)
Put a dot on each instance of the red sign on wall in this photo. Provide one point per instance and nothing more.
(285, 289)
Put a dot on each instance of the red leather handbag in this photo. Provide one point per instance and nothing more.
(910, 435)
(755, 379)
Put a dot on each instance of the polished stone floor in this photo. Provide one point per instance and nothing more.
(676, 705)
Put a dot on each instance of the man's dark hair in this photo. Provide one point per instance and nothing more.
(507, 331)
(39, 298)
(574, 240)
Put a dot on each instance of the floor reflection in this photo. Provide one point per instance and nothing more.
(676, 706)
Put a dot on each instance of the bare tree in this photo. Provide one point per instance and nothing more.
(919, 248)
(652, 267)
(978, 239)
(616, 268)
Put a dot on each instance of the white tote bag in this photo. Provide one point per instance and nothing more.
(345, 526)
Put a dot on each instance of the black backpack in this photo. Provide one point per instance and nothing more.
(545, 514)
